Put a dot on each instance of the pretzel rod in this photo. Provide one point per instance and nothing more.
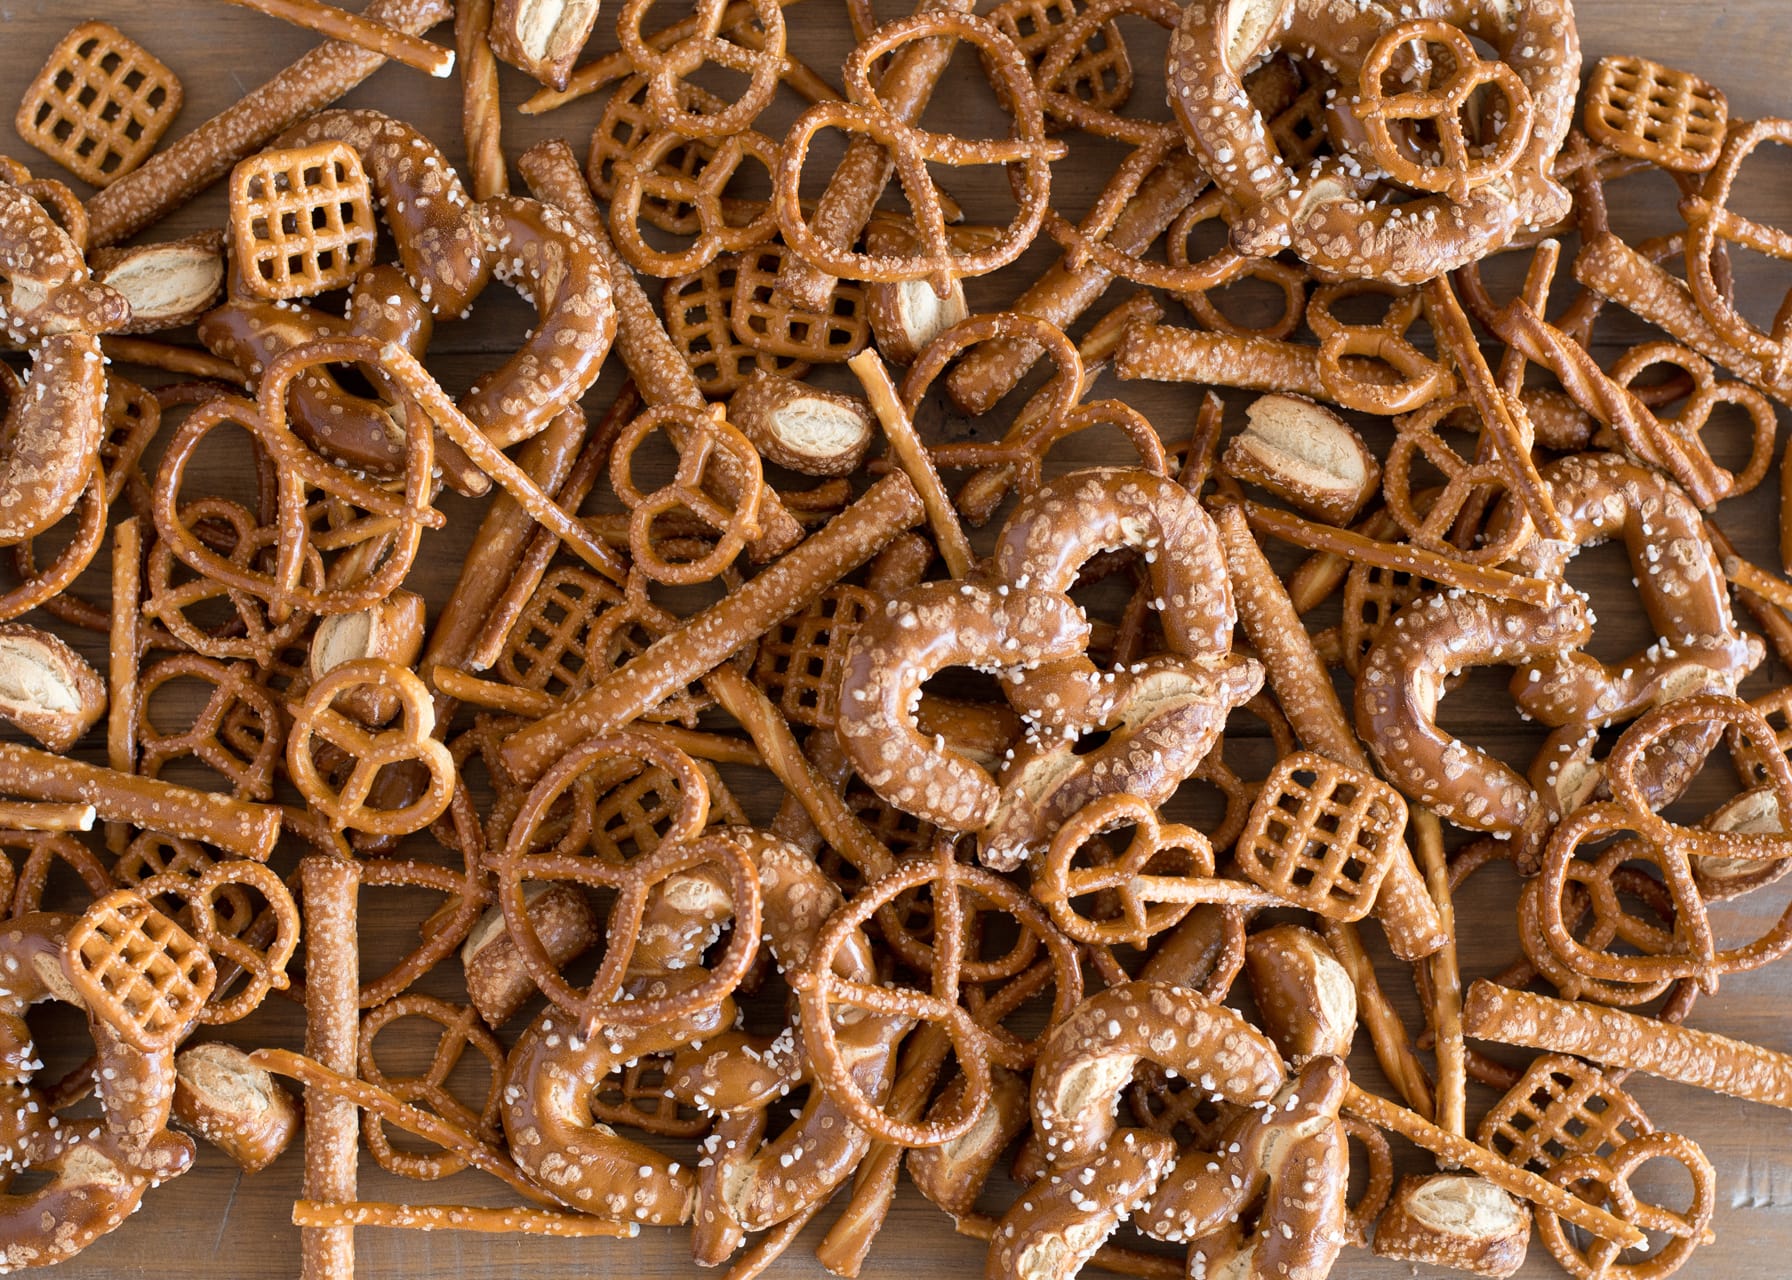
(331, 888)
(911, 455)
(542, 545)
(498, 544)
(705, 640)
(124, 655)
(514, 1220)
(187, 166)
(780, 752)
(496, 464)
(1511, 440)
(1498, 583)
(38, 815)
(1751, 577)
(1450, 1111)
(1064, 292)
(1522, 1183)
(340, 1085)
(362, 32)
(481, 111)
(1772, 619)
(1615, 271)
(659, 371)
(865, 170)
(247, 830)
(169, 359)
(1174, 353)
(1110, 1257)
(1633, 1042)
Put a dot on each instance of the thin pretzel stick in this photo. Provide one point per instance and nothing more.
(659, 371)
(1750, 577)
(771, 1246)
(170, 359)
(514, 700)
(1400, 557)
(492, 460)
(331, 888)
(402, 1115)
(533, 563)
(245, 829)
(1173, 353)
(1770, 617)
(911, 456)
(1393, 1047)
(778, 747)
(516, 1220)
(1511, 438)
(362, 32)
(1450, 1110)
(1203, 443)
(481, 112)
(37, 815)
(1522, 1183)
(125, 640)
(1616, 1038)
(705, 640)
(184, 168)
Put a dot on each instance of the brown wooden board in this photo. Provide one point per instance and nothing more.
(216, 1222)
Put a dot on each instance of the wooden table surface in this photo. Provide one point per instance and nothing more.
(216, 1222)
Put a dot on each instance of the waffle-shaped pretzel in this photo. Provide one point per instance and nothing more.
(1322, 836)
(800, 660)
(704, 440)
(767, 321)
(761, 62)
(460, 1030)
(1095, 72)
(301, 221)
(100, 104)
(369, 751)
(138, 970)
(1655, 113)
(545, 649)
(697, 309)
(913, 149)
(1561, 1107)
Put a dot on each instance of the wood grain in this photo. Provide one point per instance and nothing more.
(215, 1222)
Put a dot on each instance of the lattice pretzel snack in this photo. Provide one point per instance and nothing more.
(301, 220)
(100, 104)
(137, 969)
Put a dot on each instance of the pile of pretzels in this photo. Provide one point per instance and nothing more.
(814, 784)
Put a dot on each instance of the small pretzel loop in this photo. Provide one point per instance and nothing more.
(706, 440)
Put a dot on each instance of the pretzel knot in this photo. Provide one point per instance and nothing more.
(1458, 166)
(1028, 150)
(1711, 224)
(369, 751)
(762, 62)
(707, 440)
(1685, 1231)
(460, 1030)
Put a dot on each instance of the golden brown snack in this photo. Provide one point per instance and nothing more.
(234, 1104)
(46, 688)
(100, 104)
(1306, 454)
(1303, 994)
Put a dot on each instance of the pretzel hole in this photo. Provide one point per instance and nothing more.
(1605, 574)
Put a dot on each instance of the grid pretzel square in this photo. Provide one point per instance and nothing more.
(301, 220)
(546, 647)
(635, 813)
(800, 660)
(781, 328)
(1561, 1106)
(137, 969)
(1671, 118)
(697, 308)
(100, 104)
(1322, 836)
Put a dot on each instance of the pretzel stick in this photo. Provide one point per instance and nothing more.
(362, 32)
(184, 168)
(481, 113)
(705, 640)
(516, 1220)
(659, 371)
(911, 455)
(125, 645)
(37, 815)
(1063, 292)
(170, 359)
(1774, 623)
(1400, 557)
(1750, 577)
(1519, 1182)
(1173, 353)
(843, 829)
(1446, 978)
(526, 575)
(1511, 438)
(425, 1124)
(490, 459)
(864, 171)
(1110, 1257)
(1616, 1038)
(331, 888)
(247, 830)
